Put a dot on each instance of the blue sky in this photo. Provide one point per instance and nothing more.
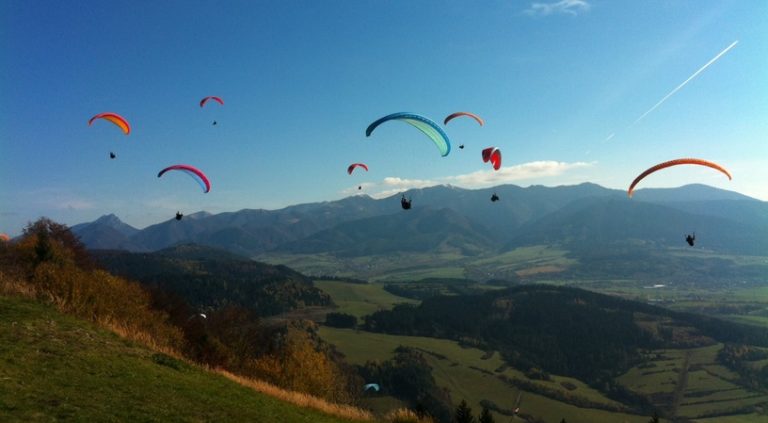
(560, 85)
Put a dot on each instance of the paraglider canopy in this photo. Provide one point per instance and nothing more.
(353, 166)
(457, 114)
(214, 98)
(374, 386)
(493, 155)
(675, 162)
(196, 173)
(423, 124)
(114, 118)
(4, 238)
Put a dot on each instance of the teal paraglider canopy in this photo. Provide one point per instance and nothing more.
(423, 124)
(374, 386)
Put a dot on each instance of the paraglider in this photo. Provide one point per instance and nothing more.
(457, 114)
(423, 124)
(690, 239)
(214, 98)
(494, 198)
(112, 155)
(374, 386)
(676, 162)
(353, 166)
(179, 215)
(461, 146)
(114, 118)
(4, 238)
(405, 204)
(196, 174)
(493, 155)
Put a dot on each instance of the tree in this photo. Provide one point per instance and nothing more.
(463, 413)
(486, 416)
(654, 418)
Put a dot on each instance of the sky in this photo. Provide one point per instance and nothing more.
(571, 91)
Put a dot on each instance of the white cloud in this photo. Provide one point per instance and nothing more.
(483, 178)
(568, 7)
(538, 169)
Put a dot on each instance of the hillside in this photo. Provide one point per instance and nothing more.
(208, 278)
(56, 367)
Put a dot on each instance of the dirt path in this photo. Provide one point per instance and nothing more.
(682, 383)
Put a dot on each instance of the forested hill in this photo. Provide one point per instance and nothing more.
(560, 330)
(208, 278)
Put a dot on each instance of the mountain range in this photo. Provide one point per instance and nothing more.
(451, 219)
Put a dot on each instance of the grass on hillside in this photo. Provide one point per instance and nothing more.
(55, 367)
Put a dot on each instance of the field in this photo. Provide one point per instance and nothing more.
(54, 367)
(360, 299)
(415, 266)
(691, 384)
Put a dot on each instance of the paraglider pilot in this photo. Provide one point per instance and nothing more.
(494, 197)
(112, 155)
(461, 146)
(690, 239)
(179, 215)
(406, 204)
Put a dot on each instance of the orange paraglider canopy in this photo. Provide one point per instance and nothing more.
(114, 118)
(676, 162)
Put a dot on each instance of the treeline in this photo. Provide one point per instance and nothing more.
(432, 287)
(212, 282)
(50, 264)
(740, 358)
(344, 279)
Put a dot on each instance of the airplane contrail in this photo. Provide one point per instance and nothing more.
(714, 59)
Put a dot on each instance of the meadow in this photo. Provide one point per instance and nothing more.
(57, 367)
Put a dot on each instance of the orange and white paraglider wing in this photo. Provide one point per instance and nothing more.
(676, 162)
(114, 118)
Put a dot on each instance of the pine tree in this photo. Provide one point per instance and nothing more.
(486, 416)
(464, 413)
(655, 418)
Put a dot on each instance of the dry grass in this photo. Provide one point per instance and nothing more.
(404, 415)
(299, 398)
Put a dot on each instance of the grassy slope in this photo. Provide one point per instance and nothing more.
(55, 367)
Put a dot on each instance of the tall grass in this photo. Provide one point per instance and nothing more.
(299, 398)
